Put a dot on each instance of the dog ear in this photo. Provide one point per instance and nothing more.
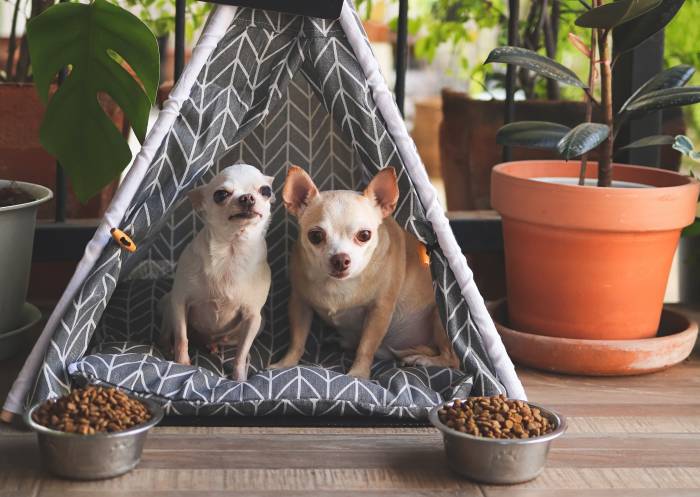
(196, 196)
(384, 190)
(298, 190)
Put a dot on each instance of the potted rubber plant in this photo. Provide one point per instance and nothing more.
(467, 149)
(589, 245)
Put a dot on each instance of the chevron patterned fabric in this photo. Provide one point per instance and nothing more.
(278, 90)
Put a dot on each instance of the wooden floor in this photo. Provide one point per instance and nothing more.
(627, 437)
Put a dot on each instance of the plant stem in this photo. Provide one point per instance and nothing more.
(589, 100)
(551, 32)
(606, 151)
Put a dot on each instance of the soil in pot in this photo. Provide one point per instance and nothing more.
(11, 195)
(587, 262)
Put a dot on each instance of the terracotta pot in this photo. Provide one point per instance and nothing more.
(673, 344)
(468, 148)
(23, 159)
(588, 262)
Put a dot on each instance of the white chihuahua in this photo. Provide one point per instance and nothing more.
(223, 278)
(362, 273)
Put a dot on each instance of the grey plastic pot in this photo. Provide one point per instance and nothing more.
(17, 224)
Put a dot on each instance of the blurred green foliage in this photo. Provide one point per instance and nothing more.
(159, 15)
(682, 46)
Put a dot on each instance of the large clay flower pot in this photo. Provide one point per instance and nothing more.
(588, 262)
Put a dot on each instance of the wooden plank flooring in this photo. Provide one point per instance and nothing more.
(628, 437)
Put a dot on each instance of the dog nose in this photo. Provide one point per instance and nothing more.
(247, 200)
(340, 262)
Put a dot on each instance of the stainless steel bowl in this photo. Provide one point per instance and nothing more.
(92, 457)
(499, 461)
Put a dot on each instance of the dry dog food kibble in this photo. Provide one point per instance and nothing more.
(91, 410)
(495, 417)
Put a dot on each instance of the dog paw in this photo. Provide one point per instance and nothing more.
(283, 364)
(418, 360)
(361, 373)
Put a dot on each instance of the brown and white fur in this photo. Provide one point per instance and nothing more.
(363, 274)
(223, 278)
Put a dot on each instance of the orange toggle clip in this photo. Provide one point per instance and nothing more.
(123, 239)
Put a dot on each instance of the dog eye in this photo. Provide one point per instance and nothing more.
(363, 236)
(221, 195)
(316, 236)
(265, 191)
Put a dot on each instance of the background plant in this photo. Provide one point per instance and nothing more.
(159, 15)
(103, 50)
(634, 21)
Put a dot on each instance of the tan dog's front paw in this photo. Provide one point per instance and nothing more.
(288, 361)
(359, 372)
(283, 364)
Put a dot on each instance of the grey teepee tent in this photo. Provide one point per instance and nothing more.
(268, 89)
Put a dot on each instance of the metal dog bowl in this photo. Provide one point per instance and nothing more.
(499, 461)
(93, 457)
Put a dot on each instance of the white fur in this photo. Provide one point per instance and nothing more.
(222, 278)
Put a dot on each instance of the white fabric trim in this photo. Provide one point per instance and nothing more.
(217, 24)
(434, 212)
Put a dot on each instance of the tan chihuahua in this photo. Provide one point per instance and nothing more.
(363, 274)
(222, 278)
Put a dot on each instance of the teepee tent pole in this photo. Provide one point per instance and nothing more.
(434, 211)
(217, 25)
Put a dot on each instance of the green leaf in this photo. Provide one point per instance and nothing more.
(613, 14)
(693, 229)
(631, 34)
(672, 77)
(663, 99)
(93, 40)
(535, 62)
(532, 134)
(650, 141)
(583, 138)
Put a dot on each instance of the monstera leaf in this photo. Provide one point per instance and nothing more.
(107, 50)
(532, 134)
(583, 138)
(613, 14)
(535, 62)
